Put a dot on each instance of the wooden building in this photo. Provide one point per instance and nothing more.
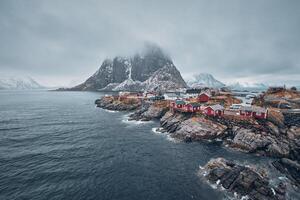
(254, 111)
(203, 98)
(214, 110)
(193, 107)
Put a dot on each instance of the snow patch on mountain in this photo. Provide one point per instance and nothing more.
(246, 85)
(129, 85)
(165, 79)
(19, 83)
(150, 70)
(205, 80)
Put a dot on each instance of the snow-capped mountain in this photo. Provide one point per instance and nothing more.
(19, 83)
(247, 86)
(150, 70)
(205, 80)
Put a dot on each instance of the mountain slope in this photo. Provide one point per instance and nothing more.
(205, 80)
(19, 83)
(245, 86)
(149, 70)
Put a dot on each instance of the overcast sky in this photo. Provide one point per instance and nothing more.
(62, 42)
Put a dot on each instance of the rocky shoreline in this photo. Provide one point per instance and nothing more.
(111, 103)
(243, 181)
(261, 137)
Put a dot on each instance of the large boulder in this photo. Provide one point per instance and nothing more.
(148, 112)
(197, 128)
(248, 140)
(260, 142)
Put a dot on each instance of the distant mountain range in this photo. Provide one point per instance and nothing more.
(205, 80)
(247, 86)
(19, 83)
(150, 70)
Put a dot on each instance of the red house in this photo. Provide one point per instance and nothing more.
(215, 110)
(177, 104)
(193, 107)
(203, 97)
(254, 111)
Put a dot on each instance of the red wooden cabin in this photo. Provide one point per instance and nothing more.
(193, 107)
(215, 110)
(203, 97)
(254, 111)
(177, 104)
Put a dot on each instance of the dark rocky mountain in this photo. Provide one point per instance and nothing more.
(150, 70)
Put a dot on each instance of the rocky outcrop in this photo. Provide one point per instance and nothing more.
(260, 142)
(191, 128)
(240, 180)
(266, 139)
(151, 69)
(148, 112)
(113, 104)
(290, 168)
(263, 138)
(195, 129)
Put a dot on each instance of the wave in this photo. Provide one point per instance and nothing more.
(125, 119)
(134, 122)
(111, 111)
(159, 131)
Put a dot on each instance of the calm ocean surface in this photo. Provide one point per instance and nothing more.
(57, 145)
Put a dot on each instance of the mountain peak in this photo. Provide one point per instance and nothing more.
(136, 73)
(205, 80)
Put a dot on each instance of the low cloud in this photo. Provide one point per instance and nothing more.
(61, 41)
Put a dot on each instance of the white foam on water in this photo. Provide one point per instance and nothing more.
(158, 131)
(282, 178)
(109, 111)
(245, 197)
(171, 139)
(273, 191)
(125, 119)
(112, 111)
(214, 186)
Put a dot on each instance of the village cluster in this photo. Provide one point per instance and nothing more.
(210, 102)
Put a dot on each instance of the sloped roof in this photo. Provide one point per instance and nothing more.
(180, 102)
(216, 107)
(204, 93)
(194, 104)
(253, 109)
